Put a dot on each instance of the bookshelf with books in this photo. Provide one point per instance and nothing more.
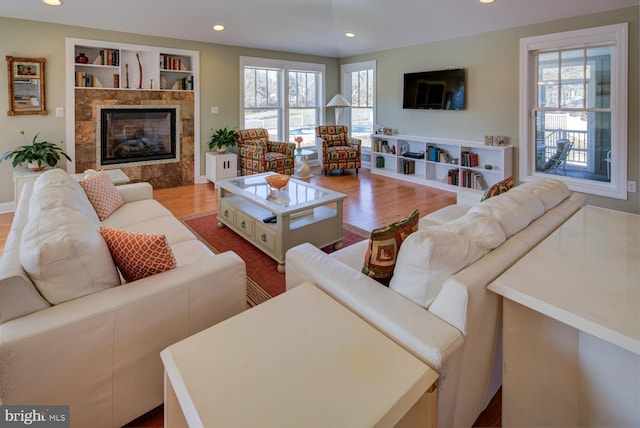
(446, 164)
(100, 64)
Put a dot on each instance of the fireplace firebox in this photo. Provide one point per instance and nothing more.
(138, 134)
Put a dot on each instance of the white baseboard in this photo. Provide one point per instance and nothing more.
(7, 207)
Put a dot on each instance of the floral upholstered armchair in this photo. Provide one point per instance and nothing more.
(258, 154)
(338, 150)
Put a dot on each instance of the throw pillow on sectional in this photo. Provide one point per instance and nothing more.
(102, 194)
(431, 256)
(138, 255)
(384, 244)
(498, 188)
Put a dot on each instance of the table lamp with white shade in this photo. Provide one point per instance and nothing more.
(339, 103)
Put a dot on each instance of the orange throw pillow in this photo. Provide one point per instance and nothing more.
(138, 255)
(102, 194)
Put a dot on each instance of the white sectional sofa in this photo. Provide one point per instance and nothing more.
(458, 333)
(98, 351)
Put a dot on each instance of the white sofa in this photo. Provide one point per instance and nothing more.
(99, 353)
(459, 333)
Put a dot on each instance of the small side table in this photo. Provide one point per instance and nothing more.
(303, 172)
(220, 166)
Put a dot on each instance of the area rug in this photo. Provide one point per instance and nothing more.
(263, 279)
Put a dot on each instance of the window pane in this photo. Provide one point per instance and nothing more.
(262, 118)
(572, 81)
(361, 83)
(302, 123)
(303, 108)
(261, 88)
(574, 144)
(249, 87)
(362, 124)
(599, 77)
(548, 84)
(302, 89)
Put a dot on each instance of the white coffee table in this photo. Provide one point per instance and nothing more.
(302, 212)
(298, 360)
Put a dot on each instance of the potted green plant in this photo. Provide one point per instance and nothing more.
(222, 139)
(35, 155)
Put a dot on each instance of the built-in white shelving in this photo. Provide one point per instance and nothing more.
(127, 66)
(446, 164)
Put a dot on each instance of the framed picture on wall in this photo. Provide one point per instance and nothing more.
(26, 85)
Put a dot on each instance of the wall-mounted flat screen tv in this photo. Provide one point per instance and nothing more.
(435, 90)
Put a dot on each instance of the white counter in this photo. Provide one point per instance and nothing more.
(572, 325)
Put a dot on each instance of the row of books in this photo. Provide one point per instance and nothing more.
(87, 80)
(473, 180)
(382, 146)
(436, 154)
(470, 179)
(184, 84)
(167, 62)
(453, 176)
(468, 159)
(109, 57)
(408, 166)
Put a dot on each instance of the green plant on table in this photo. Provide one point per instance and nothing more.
(38, 153)
(222, 138)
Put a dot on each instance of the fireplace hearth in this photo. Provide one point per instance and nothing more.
(130, 135)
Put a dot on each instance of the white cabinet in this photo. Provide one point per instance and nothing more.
(21, 177)
(446, 164)
(99, 64)
(221, 166)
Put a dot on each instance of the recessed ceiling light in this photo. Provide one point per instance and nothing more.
(487, 1)
(218, 27)
(52, 2)
(350, 35)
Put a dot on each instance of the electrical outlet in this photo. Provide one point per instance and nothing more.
(215, 110)
(631, 186)
(59, 111)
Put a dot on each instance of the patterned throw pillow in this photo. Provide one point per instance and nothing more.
(384, 244)
(138, 255)
(498, 188)
(102, 194)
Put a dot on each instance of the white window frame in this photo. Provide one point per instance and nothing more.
(345, 71)
(617, 35)
(284, 67)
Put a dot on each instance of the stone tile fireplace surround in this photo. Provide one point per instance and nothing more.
(160, 175)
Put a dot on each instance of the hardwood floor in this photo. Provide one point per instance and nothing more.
(372, 201)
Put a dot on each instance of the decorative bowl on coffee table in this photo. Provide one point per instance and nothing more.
(277, 181)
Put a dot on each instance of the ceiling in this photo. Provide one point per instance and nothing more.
(307, 26)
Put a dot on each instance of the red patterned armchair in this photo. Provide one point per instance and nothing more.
(258, 154)
(338, 150)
